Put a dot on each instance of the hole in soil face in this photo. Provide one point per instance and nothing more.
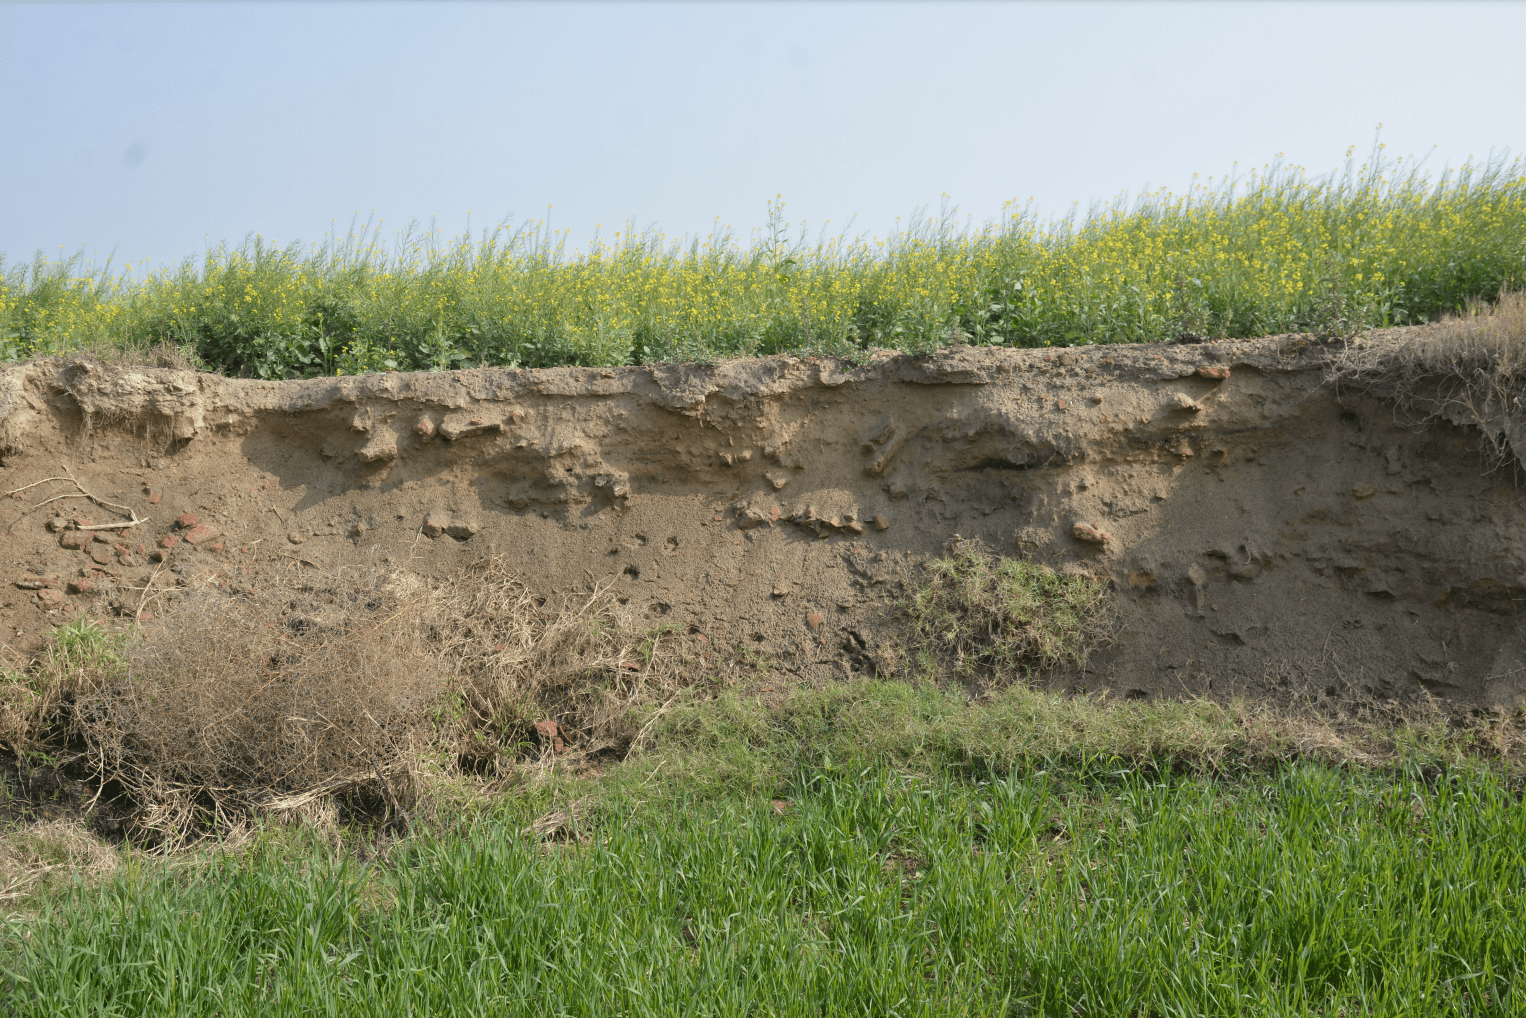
(671, 544)
(659, 608)
(631, 571)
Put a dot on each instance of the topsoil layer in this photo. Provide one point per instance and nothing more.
(1265, 532)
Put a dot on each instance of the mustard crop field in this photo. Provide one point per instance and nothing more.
(1382, 242)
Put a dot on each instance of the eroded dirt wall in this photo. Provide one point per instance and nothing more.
(1264, 531)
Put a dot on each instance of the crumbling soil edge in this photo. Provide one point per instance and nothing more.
(1267, 534)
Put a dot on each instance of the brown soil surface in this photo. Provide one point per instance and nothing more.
(1266, 533)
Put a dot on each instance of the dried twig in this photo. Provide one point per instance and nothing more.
(82, 493)
(16, 491)
(124, 525)
(138, 612)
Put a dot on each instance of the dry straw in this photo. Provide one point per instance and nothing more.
(1468, 369)
(361, 687)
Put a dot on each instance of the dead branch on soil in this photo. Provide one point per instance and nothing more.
(68, 475)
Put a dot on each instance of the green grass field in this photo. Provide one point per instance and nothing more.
(869, 848)
(1379, 243)
(860, 890)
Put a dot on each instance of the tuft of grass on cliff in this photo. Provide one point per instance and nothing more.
(1382, 241)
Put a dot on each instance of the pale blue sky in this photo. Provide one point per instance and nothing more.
(153, 129)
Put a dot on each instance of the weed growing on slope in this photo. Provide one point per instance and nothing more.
(978, 613)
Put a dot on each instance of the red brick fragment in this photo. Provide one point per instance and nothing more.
(199, 534)
(168, 541)
(1088, 533)
(188, 519)
(550, 734)
(1215, 374)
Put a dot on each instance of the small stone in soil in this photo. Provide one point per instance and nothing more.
(188, 519)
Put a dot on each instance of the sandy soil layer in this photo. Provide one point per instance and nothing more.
(1266, 532)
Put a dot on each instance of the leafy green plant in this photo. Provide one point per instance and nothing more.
(1379, 243)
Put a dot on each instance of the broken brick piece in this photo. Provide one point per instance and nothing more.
(188, 520)
(200, 534)
(550, 734)
(168, 541)
(1087, 533)
(1214, 374)
(436, 523)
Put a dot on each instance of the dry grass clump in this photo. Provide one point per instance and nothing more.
(979, 613)
(280, 699)
(577, 659)
(241, 702)
(40, 853)
(1469, 369)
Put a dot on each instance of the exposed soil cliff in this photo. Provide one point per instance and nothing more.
(1265, 531)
